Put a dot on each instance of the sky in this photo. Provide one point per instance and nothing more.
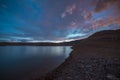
(56, 20)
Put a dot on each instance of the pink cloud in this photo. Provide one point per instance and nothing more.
(104, 4)
(69, 10)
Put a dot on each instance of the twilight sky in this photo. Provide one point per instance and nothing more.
(56, 20)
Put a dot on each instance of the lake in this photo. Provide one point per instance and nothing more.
(20, 62)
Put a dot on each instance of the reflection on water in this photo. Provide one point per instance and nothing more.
(20, 61)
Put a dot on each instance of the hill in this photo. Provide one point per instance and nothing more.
(94, 58)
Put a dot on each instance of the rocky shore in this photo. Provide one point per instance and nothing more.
(88, 69)
(78, 67)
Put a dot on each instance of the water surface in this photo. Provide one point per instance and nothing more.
(18, 62)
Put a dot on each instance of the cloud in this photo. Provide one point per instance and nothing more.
(63, 15)
(69, 10)
(57, 21)
(105, 22)
(94, 2)
(104, 4)
(87, 14)
(4, 6)
(75, 35)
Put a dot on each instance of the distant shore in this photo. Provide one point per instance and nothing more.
(107, 35)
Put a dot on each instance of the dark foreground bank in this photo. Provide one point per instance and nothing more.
(87, 69)
(95, 58)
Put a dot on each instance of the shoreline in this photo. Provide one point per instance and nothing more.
(95, 58)
(85, 68)
(88, 67)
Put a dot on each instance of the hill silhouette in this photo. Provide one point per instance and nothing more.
(93, 58)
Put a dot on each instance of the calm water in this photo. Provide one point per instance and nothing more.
(18, 62)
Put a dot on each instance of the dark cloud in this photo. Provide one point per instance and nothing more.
(118, 6)
(94, 2)
(88, 15)
(105, 22)
(104, 4)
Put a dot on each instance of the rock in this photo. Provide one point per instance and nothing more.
(112, 77)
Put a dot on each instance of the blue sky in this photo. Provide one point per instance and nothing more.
(56, 20)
